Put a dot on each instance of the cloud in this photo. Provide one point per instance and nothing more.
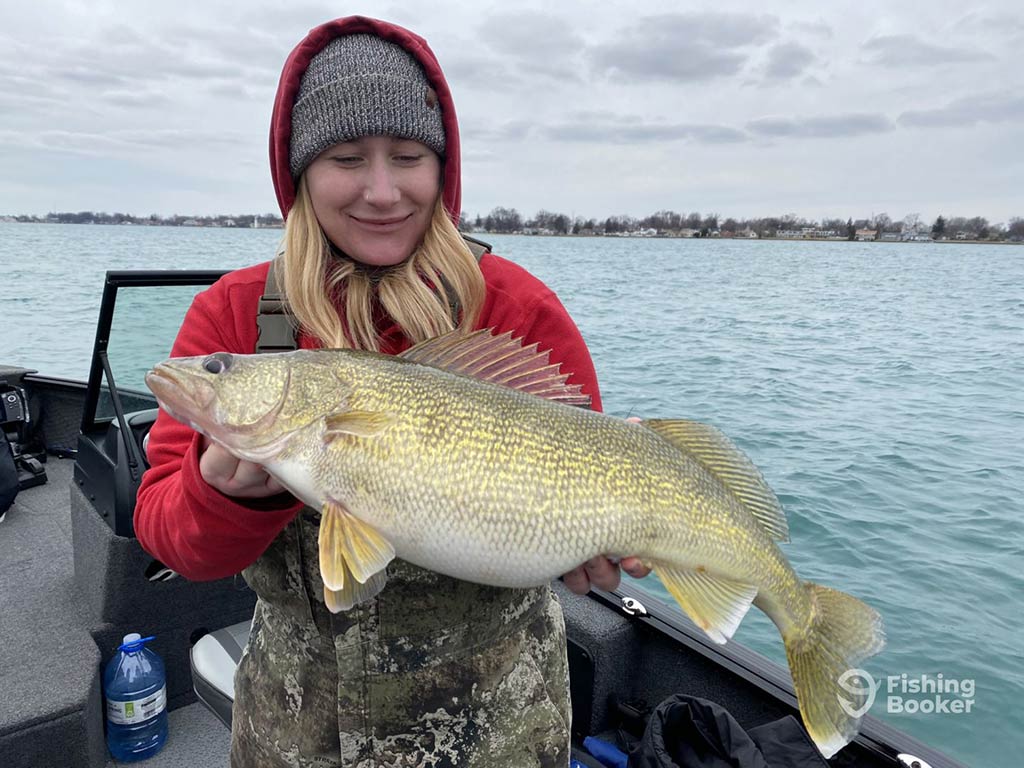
(626, 62)
(81, 74)
(531, 43)
(992, 22)
(788, 60)
(683, 47)
(730, 30)
(482, 72)
(112, 63)
(632, 131)
(250, 48)
(969, 110)
(818, 28)
(479, 156)
(131, 141)
(135, 99)
(604, 127)
(823, 127)
(911, 51)
(529, 34)
(21, 91)
(512, 131)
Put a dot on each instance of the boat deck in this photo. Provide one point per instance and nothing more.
(49, 661)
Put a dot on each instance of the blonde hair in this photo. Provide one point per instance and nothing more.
(415, 293)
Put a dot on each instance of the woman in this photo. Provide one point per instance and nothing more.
(433, 671)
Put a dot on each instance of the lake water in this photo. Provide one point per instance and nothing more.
(879, 387)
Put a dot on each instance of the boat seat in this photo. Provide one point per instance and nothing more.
(214, 660)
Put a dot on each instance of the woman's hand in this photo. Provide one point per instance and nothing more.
(602, 573)
(233, 476)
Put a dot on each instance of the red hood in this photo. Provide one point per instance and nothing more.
(291, 76)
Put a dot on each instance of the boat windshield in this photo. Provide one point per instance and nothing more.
(139, 319)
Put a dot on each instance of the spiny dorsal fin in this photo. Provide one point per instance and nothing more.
(500, 360)
(730, 466)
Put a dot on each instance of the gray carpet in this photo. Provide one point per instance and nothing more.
(194, 738)
(42, 645)
(47, 659)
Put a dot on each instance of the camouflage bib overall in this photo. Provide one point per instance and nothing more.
(434, 672)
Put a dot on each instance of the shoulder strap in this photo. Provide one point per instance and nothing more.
(277, 332)
(477, 247)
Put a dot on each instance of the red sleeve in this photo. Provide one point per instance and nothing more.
(186, 524)
(519, 302)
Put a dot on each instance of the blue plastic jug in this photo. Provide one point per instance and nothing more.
(135, 686)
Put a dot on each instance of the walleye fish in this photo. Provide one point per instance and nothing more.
(463, 456)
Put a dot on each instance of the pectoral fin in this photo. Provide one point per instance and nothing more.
(716, 605)
(350, 549)
(357, 423)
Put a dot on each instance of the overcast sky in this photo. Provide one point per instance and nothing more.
(737, 107)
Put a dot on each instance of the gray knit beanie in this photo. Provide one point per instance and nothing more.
(362, 85)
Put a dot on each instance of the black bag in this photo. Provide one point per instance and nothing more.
(688, 732)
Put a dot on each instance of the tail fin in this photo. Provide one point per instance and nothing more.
(843, 632)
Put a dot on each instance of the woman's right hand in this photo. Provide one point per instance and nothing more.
(233, 476)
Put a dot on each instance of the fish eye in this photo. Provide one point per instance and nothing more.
(217, 363)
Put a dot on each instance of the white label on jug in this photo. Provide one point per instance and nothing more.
(137, 710)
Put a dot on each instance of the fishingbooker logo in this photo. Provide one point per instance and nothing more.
(862, 688)
(906, 694)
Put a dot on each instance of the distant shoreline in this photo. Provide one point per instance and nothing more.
(620, 235)
(944, 241)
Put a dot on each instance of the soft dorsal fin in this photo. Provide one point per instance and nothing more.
(500, 360)
(730, 466)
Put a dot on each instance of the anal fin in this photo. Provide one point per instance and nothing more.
(716, 605)
(349, 549)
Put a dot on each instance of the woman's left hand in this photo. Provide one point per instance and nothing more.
(602, 573)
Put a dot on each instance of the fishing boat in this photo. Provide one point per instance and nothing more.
(74, 580)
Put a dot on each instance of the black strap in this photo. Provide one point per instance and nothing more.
(277, 330)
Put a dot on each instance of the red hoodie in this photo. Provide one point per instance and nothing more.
(198, 531)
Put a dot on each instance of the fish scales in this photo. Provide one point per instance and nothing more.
(471, 473)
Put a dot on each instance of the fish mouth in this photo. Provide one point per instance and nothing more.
(183, 395)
